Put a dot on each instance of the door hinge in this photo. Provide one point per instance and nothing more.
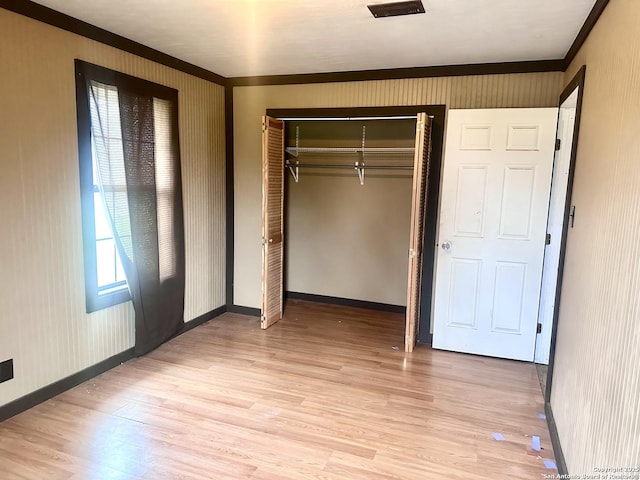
(558, 144)
(539, 329)
(263, 318)
(412, 253)
(548, 239)
(264, 126)
(572, 215)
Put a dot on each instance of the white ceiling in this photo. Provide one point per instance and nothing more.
(268, 37)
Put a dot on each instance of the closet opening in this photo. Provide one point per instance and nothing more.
(347, 218)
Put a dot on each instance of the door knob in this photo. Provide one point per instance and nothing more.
(446, 246)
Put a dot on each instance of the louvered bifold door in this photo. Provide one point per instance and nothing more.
(421, 163)
(272, 220)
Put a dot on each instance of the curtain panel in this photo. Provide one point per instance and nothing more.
(136, 156)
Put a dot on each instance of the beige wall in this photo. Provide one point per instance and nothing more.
(349, 240)
(596, 383)
(484, 91)
(43, 324)
(344, 239)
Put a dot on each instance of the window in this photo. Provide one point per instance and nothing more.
(101, 94)
(110, 276)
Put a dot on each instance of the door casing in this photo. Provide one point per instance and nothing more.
(437, 112)
(578, 81)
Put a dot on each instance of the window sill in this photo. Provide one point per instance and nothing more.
(97, 302)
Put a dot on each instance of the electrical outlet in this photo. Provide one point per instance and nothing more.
(6, 370)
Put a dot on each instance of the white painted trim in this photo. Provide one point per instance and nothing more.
(557, 202)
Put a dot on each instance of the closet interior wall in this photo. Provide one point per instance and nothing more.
(344, 239)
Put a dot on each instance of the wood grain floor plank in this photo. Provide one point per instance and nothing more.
(320, 395)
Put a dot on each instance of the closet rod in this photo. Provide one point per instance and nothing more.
(334, 119)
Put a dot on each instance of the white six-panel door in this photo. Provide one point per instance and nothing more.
(492, 226)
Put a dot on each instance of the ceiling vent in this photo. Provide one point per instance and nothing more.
(396, 9)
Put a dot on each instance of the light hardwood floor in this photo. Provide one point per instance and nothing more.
(320, 395)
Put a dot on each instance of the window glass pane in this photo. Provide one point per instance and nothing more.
(126, 242)
(108, 173)
(165, 179)
(119, 270)
(103, 230)
(108, 157)
(94, 166)
(106, 260)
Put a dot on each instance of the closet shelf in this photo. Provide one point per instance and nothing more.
(359, 167)
(295, 151)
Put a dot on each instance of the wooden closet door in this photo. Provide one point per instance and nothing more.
(421, 163)
(272, 220)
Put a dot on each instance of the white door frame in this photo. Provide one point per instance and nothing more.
(555, 224)
(578, 83)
